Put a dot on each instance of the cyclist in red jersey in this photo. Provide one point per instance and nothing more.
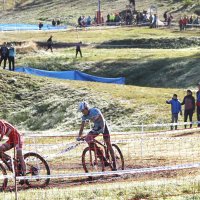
(14, 140)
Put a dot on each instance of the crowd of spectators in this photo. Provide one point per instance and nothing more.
(113, 19)
(186, 22)
(86, 21)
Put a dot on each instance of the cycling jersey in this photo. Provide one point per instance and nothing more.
(97, 118)
(15, 139)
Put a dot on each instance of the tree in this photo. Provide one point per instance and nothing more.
(132, 2)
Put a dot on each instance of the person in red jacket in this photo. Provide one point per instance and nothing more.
(189, 102)
(181, 24)
(14, 140)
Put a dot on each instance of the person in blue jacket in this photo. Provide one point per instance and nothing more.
(11, 57)
(175, 109)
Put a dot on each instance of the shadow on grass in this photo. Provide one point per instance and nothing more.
(168, 72)
(147, 43)
(58, 45)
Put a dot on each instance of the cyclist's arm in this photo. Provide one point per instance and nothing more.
(81, 129)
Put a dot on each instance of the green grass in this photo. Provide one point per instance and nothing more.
(40, 103)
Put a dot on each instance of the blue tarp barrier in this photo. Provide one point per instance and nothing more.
(70, 75)
(21, 27)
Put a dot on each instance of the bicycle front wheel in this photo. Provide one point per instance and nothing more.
(119, 159)
(37, 169)
(91, 162)
(3, 180)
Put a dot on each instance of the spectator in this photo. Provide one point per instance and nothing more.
(50, 43)
(191, 20)
(198, 104)
(128, 19)
(40, 25)
(79, 21)
(165, 16)
(11, 57)
(154, 22)
(185, 22)
(169, 20)
(58, 22)
(108, 18)
(196, 21)
(181, 24)
(102, 20)
(175, 109)
(189, 103)
(89, 21)
(78, 49)
(4, 54)
(53, 22)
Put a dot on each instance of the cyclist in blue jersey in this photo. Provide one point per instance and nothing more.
(100, 126)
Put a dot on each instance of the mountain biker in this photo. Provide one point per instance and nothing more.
(14, 140)
(100, 126)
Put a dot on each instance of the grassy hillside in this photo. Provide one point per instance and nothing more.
(145, 57)
(39, 103)
(31, 11)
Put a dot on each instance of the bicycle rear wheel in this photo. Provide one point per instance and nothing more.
(3, 181)
(36, 167)
(90, 164)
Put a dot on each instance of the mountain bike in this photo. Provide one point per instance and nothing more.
(93, 163)
(36, 166)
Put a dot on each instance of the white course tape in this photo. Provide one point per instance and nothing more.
(74, 133)
(108, 173)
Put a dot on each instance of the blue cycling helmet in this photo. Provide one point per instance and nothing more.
(82, 106)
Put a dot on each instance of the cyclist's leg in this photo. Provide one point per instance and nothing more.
(90, 140)
(106, 137)
(3, 148)
(19, 146)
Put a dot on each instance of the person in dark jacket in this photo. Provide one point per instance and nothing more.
(78, 49)
(4, 54)
(175, 109)
(198, 104)
(189, 102)
(50, 43)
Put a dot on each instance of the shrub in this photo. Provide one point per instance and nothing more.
(197, 11)
(187, 2)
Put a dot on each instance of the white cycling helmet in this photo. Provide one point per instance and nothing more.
(82, 106)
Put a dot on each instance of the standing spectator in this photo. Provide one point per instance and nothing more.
(189, 103)
(196, 20)
(175, 109)
(108, 18)
(198, 104)
(11, 57)
(50, 43)
(165, 16)
(4, 54)
(40, 25)
(185, 22)
(89, 19)
(169, 20)
(191, 20)
(53, 22)
(181, 24)
(58, 22)
(78, 49)
(79, 21)
(128, 19)
(154, 21)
